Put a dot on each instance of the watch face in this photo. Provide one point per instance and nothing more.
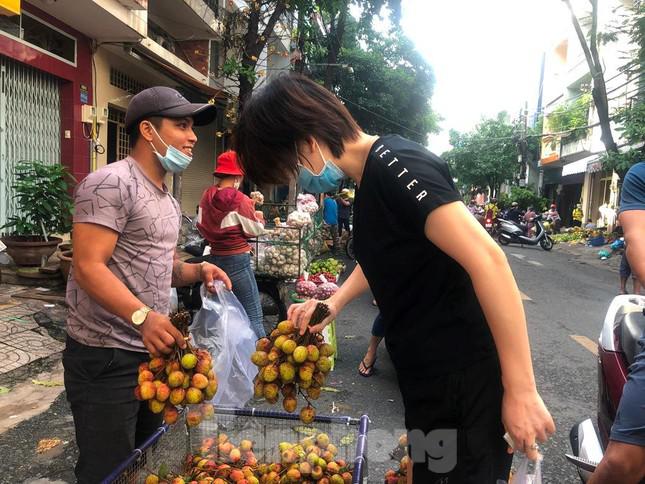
(138, 317)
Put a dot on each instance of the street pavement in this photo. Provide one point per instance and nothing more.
(565, 296)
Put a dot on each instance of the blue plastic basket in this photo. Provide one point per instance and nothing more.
(170, 445)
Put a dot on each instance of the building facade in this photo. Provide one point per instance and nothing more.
(70, 67)
(570, 169)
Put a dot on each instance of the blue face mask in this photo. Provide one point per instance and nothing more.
(328, 180)
(174, 161)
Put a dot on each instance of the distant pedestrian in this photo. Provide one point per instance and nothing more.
(344, 211)
(330, 217)
(576, 216)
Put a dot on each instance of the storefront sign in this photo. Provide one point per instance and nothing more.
(9, 7)
(550, 149)
(84, 94)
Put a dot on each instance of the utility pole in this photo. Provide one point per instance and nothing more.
(522, 145)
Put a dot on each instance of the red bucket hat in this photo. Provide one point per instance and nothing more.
(227, 164)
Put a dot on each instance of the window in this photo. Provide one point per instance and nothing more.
(125, 82)
(41, 35)
(118, 140)
(10, 25)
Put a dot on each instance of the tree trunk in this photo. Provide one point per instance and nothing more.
(599, 91)
(254, 44)
(334, 42)
(300, 63)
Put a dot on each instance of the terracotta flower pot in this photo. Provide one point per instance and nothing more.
(29, 250)
(65, 259)
(65, 247)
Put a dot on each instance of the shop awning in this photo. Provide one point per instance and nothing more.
(579, 166)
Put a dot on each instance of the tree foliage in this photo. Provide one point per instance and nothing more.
(485, 157)
(247, 31)
(572, 117)
(630, 119)
(385, 83)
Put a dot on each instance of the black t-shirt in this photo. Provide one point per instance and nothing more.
(434, 323)
(514, 215)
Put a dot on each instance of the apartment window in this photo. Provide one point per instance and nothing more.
(10, 25)
(118, 140)
(125, 82)
(40, 34)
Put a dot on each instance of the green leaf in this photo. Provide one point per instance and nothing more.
(347, 439)
(4, 390)
(163, 471)
(47, 383)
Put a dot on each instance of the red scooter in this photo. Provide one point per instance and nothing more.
(489, 222)
(618, 345)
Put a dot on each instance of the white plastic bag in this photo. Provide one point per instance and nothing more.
(522, 475)
(222, 327)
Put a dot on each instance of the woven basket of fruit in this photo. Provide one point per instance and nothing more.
(251, 446)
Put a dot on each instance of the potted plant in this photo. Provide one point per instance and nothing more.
(44, 207)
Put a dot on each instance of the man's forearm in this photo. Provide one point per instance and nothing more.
(633, 223)
(507, 321)
(184, 274)
(636, 258)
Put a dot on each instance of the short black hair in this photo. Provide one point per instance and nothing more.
(134, 133)
(288, 110)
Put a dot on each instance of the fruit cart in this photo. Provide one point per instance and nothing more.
(166, 450)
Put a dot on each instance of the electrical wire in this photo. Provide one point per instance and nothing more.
(380, 116)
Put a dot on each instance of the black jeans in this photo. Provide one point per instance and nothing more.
(343, 223)
(455, 423)
(110, 422)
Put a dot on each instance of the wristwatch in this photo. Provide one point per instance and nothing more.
(139, 316)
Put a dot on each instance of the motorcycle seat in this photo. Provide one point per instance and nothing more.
(632, 327)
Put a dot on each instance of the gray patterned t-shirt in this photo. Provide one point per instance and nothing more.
(147, 219)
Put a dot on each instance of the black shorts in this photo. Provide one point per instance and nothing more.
(454, 422)
(625, 270)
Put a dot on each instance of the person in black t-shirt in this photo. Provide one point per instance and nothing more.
(514, 214)
(458, 341)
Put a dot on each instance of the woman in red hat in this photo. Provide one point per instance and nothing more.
(227, 220)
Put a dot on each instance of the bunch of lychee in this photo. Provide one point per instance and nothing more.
(292, 364)
(399, 453)
(182, 378)
(312, 460)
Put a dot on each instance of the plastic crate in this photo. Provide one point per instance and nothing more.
(170, 445)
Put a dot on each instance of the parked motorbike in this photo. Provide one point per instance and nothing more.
(617, 347)
(513, 233)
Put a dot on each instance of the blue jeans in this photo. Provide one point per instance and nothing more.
(238, 269)
(629, 425)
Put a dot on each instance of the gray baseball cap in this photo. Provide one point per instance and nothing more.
(167, 103)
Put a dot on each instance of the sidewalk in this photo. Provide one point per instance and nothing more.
(36, 431)
(581, 254)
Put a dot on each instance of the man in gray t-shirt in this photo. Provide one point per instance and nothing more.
(126, 225)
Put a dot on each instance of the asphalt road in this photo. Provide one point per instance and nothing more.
(564, 298)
